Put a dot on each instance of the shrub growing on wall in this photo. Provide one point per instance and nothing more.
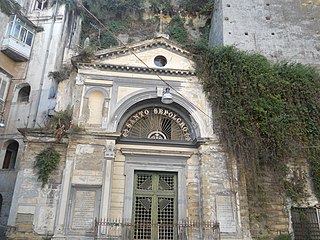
(46, 162)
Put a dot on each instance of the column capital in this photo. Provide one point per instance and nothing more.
(110, 149)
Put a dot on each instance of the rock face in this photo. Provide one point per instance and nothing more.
(135, 25)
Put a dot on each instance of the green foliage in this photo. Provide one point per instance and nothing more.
(161, 5)
(108, 40)
(283, 237)
(295, 185)
(126, 17)
(118, 9)
(61, 75)
(60, 122)
(177, 31)
(203, 7)
(46, 162)
(268, 114)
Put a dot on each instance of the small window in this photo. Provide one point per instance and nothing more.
(24, 93)
(40, 4)
(10, 156)
(160, 61)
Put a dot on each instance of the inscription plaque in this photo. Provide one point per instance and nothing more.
(225, 214)
(83, 211)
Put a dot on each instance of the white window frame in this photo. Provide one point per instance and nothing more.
(23, 31)
(40, 4)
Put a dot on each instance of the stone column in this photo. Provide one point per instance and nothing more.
(62, 209)
(107, 178)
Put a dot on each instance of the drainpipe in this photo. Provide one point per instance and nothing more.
(37, 102)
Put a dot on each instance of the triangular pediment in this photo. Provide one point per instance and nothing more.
(158, 54)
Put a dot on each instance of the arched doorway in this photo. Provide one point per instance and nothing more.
(10, 155)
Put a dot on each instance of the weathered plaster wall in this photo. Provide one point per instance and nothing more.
(7, 183)
(60, 33)
(285, 30)
(34, 208)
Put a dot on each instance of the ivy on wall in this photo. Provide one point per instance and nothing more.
(46, 162)
(268, 114)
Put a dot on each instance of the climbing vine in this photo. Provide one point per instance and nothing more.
(46, 162)
(268, 114)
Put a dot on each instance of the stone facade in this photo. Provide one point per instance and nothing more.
(111, 95)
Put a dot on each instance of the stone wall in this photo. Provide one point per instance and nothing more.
(281, 30)
(268, 213)
(35, 206)
(7, 182)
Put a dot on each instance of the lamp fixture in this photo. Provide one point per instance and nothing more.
(167, 96)
(2, 123)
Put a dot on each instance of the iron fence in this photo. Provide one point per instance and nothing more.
(118, 229)
(305, 223)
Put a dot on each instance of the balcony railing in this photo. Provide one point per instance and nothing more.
(117, 229)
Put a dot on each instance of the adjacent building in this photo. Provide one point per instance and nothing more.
(33, 41)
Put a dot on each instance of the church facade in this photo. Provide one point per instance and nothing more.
(136, 168)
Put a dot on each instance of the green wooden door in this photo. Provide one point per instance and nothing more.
(155, 205)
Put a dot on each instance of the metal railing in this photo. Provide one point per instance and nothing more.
(118, 229)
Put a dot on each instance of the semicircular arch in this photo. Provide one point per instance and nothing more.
(127, 107)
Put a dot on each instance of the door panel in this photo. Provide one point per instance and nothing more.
(155, 205)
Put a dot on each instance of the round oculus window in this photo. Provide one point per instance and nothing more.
(160, 61)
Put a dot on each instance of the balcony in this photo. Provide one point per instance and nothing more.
(18, 40)
(15, 49)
